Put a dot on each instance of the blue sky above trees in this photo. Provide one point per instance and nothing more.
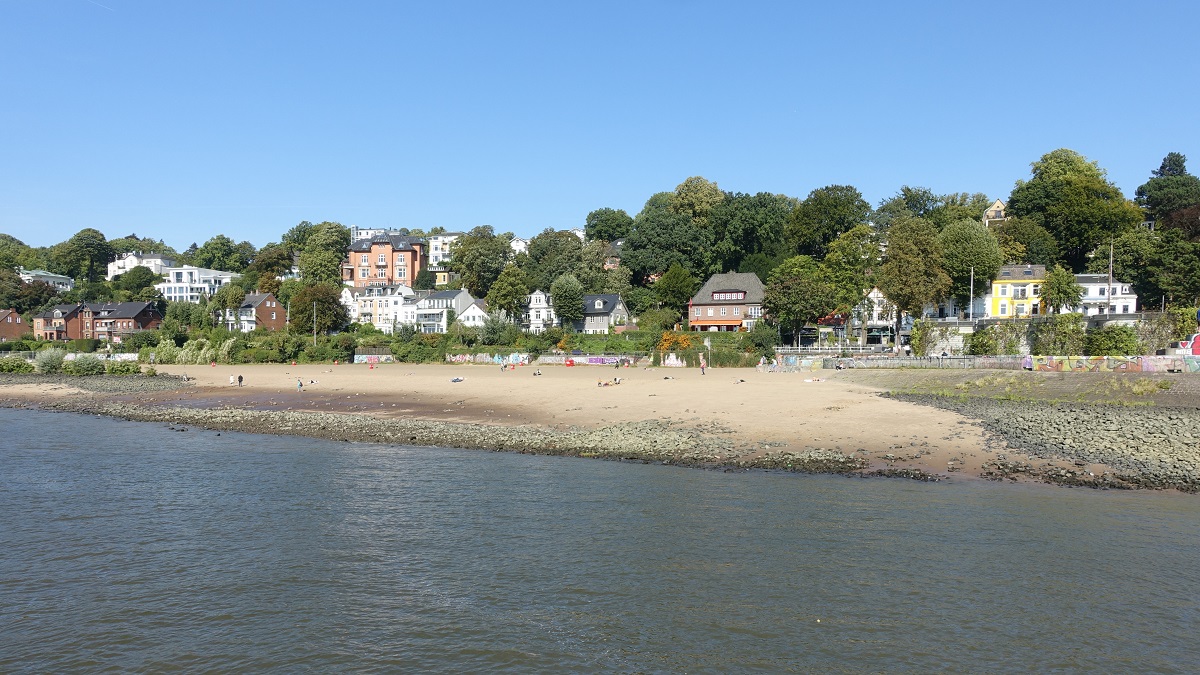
(181, 121)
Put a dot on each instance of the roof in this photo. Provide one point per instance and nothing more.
(1095, 279)
(448, 295)
(398, 242)
(120, 310)
(747, 282)
(255, 299)
(1019, 272)
(608, 302)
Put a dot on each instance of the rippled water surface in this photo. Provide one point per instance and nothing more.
(131, 547)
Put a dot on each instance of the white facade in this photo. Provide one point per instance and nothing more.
(384, 307)
(474, 315)
(155, 262)
(519, 245)
(433, 310)
(539, 313)
(59, 281)
(1100, 298)
(189, 284)
(439, 247)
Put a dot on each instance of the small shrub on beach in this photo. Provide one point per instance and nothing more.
(123, 368)
(49, 361)
(15, 365)
(84, 364)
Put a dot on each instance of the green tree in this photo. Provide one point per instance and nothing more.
(824, 215)
(1170, 188)
(915, 202)
(1133, 253)
(696, 198)
(425, 280)
(84, 256)
(478, 257)
(970, 250)
(134, 243)
(912, 275)
(297, 237)
(851, 265)
(1073, 199)
(1024, 242)
(1060, 290)
(760, 264)
(1059, 335)
(221, 253)
(324, 250)
(566, 294)
(273, 260)
(675, 288)
(136, 279)
(509, 292)
(662, 237)
(608, 224)
(331, 314)
(799, 293)
(958, 206)
(617, 281)
(1175, 268)
(552, 254)
(1112, 341)
(749, 225)
(590, 269)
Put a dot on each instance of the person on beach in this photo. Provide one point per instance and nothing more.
(239, 380)
(299, 385)
(703, 363)
(231, 380)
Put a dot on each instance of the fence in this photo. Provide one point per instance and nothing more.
(1060, 364)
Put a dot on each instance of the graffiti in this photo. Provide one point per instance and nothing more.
(602, 360)
(374, 358)
(672, 361)
(493, 359)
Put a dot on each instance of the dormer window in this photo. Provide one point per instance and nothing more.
(599, 304)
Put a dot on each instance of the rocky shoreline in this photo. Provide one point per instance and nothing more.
(1136, 446)
(1102, 446)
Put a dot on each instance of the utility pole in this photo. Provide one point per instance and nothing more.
(971, 307)
(314, 323)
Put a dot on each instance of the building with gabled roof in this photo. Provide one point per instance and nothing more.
(99, 321)
(258, 310)
(602, 312)
(384, 260)
(12, 326)
(1017, 292)
(727, 302)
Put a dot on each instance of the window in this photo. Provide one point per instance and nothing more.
(272, 315)
(1004, 291)
(382, 258)
(1124, 309)
(710, 311)
(697, 311)
(722, 311)
(1019, 310)
(1037, 290)
(362, 259)
(1101, 290)
(737, 311)
(1003, 309)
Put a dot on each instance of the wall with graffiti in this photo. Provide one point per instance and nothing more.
(1113, 364)
(513, 359)
(374, 358)
(587, 360)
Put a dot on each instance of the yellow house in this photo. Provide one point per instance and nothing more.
(1017, 292)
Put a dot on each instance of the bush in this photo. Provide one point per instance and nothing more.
(123, 368)
(1112, 341)
(49, 361)
(15, 365)
(1059, 335)
(84, 364)
(84, 345)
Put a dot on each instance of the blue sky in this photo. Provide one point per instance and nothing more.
(183, 119)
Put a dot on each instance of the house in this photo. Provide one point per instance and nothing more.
(1016, 292)
(189, 283)
(519, 245)
(474, 315)
(1102, 295)
(612, 256)
(155, 262)
(12, 326)
(384, 307)
(439, 247)
(994, 215)
(258, 310)
(58, 281)
(100, 321)
(433, 310)
(727, 302)
(384, 260)
(602, 312)
(539, 312)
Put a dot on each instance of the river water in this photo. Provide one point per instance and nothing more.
(132, 547)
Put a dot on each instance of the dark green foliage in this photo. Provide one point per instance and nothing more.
(824, 215)
(675, 288)
(1112, 341)
(84, 345)
(1058, 335)
(608, 224)
(83, 364)
(1171, 188)
(122, 368)
(425, 280)
(12, 364)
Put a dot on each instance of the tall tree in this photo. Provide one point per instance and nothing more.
(84, 256)
(478, 257)
(970, 250)
(1132, 255)
(745, 225)
(912, 275)
(1175, 268)
(1073, 199)
(566, 294)
(675, 288)
(851, 265)
(1024, 242)
(331, 314)
(695, 198)
(917, 202)
(221, 253)
(607, 224)
(826, 213)
(1060, 290)
(324, 250)
(1169, 189)
(509, 292)
(136, 279)
(662, 237)
(958, 206)
(799, 293)
(551, 254)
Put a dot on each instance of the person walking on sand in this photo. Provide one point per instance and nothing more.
(239, 380)
(299, 385)
(703, 363)
(231, 380)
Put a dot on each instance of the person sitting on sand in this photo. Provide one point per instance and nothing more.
(537, 372)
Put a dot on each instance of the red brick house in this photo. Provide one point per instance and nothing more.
(727, 302)
(101, 321)
(12, 326)
(258, 310)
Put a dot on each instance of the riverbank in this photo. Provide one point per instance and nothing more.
(830, 422)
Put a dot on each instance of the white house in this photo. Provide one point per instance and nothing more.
(1099, 297)
(519, 245)
(381, 306)
(433, 310)
(189, 284)
(539, 313)
(59, 281)
(474, 315)
(439, 247)
(155, 262)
